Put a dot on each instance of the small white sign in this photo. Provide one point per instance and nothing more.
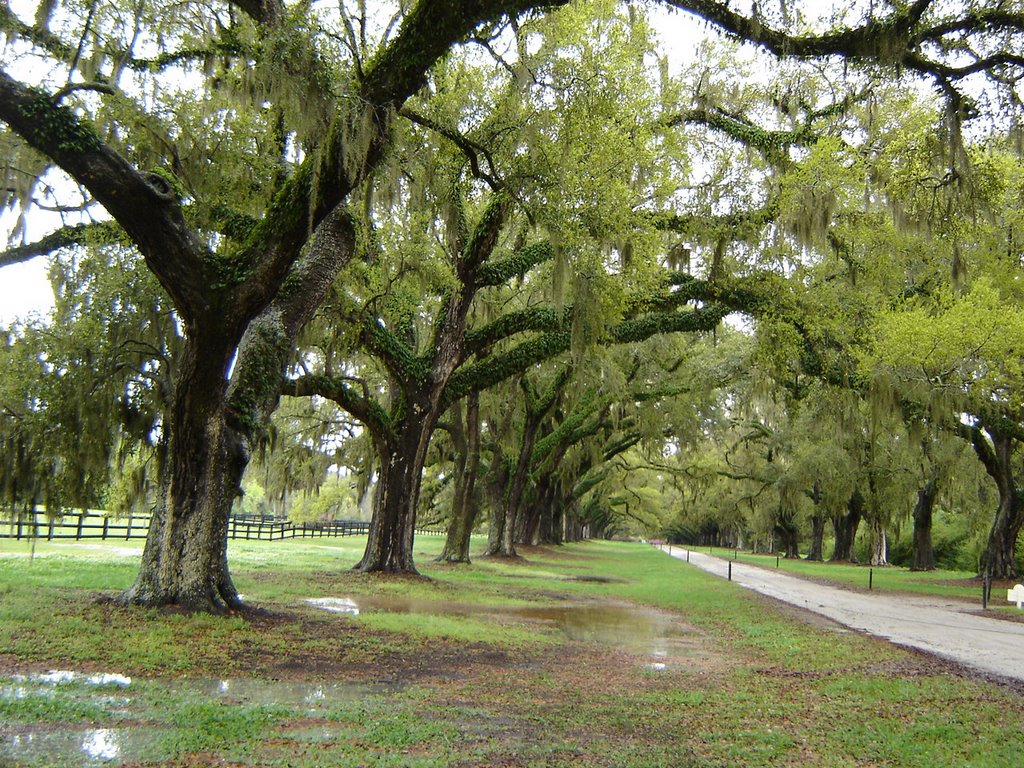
(1016, 595)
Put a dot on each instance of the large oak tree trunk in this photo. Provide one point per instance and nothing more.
(550, 510)
(923, 557)
(845, 527)
(815, 548)
(788, 537)
(498, 477)
(537, 524)
(212, 423)
(464, 506)
(392, 527)
(879, 545)
(999, 558)
(185, 559)
(512, 504)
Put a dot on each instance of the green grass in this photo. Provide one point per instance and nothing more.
(42, 708)
(487, 687)
(202, 726)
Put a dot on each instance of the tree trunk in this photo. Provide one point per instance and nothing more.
(570, 523)
(549, 518)
(923, 558)
(212, 422)
(184, 562)
(573, 524)
(845, 527)
(879, 546)
(517, 487)
(497, 492)
(506, 525)
(464, 506)
(392, 527)
(814, 549)
(999, 558)
(789, 538)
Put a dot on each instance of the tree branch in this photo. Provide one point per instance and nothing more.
(364, 408)
(500, 272)
(101, 231)
(471, 149)
(145, 205)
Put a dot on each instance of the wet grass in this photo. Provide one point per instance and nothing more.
(295, 686)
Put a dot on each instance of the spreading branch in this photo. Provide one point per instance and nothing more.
(92, 232)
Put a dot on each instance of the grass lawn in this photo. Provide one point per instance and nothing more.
(596, 654)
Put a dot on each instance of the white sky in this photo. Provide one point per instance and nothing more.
(24, 289)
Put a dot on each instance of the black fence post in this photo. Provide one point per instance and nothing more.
(730, 570)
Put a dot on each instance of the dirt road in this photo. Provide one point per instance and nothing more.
(947, 628)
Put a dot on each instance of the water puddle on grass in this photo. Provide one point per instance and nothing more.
(61, 676)
(309, 698)
(85, 748)
(642, 631)
(129, 737)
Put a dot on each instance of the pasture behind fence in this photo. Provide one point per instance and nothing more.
(90, 524)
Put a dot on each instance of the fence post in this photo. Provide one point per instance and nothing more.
(730, 570)
(78, 530)
(131, 519)
(106, 526)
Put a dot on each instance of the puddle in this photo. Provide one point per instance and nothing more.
(86, 746)
(82, 749)
(309, 697)
(49, 684)
(644, 631)
(60, 676)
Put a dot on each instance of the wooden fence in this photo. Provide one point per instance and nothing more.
(94, 525)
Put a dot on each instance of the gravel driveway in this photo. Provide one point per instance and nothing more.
(948, 628)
